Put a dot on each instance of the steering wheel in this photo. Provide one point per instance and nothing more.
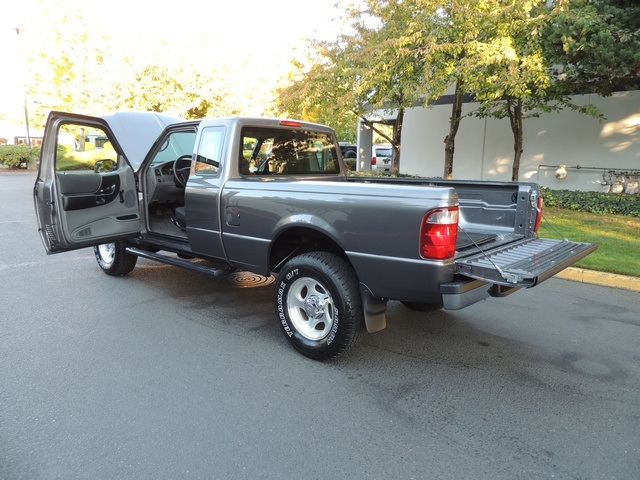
(181, 169)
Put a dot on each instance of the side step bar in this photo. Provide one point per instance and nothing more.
(179, 262)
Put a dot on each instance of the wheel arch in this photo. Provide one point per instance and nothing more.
(297, 239)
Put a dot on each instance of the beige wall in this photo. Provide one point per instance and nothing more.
(484, 147)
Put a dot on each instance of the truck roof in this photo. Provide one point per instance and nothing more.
(136, 131)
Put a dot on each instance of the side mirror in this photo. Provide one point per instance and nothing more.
(103, 166)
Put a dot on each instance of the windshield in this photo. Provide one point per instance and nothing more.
(383, 152)
(175, 145)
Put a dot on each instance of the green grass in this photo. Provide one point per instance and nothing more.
(83, 160)
(618, 237)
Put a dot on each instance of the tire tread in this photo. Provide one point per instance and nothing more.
(340, 273)
(123, 262)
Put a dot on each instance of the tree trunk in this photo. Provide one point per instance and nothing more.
(450, 140)
(515, 117)
(397, 136)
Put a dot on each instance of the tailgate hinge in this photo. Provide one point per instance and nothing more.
(509, 277)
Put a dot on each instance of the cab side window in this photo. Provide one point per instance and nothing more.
(84, 148)
(209, 156)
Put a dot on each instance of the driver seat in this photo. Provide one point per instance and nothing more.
(180, 218)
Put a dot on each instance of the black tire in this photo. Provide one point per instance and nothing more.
(113, 259)
(318, 304)
(422, 307)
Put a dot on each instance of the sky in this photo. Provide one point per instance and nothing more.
(261, 37)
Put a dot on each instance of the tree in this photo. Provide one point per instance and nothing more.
(506, 68)
(374, 67)
(492, 49)
(75, 65)
(594, 45)
(406, 52)
(178, 90)
(446, 30)
(318, 90)
(70, 67)
(517, 58)
(448, 45)
(382, 51)
(552, 52)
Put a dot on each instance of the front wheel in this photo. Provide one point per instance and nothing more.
(113, 258)
(318, 304)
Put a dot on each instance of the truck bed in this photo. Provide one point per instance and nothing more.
(496, 239)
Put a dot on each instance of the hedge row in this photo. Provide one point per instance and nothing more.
(593, 202)
(17, 156)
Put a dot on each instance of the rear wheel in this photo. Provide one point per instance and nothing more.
(318, 305)
(113, 258)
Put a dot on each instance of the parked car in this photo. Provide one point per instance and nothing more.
(382, 158)
(348, 150)
(349, 153)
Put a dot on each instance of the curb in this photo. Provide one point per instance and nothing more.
(600, 278)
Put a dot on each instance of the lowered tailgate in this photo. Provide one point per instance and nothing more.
(524, 263)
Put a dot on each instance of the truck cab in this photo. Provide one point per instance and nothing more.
(163, 183)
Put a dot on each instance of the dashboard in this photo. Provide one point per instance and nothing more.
(161, 187)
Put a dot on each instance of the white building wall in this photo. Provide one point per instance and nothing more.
(484, 147)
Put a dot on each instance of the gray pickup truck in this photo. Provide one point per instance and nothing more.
(271, 196)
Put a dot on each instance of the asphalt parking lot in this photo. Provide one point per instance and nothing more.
(167, 374)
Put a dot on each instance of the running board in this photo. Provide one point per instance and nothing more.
(179, 262)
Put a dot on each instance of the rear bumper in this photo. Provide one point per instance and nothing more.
(465, 291)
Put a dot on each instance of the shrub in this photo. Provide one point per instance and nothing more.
(350, 163)
(17, 156)
(593, 202)
(368, 173)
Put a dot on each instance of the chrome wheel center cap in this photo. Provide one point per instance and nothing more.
(314, 307)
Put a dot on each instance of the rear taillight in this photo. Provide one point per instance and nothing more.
(539, 216)
(439, 233)
(373, 160)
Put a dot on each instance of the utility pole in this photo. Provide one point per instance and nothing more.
(26, 121)
(31, 162)
(24, 92)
